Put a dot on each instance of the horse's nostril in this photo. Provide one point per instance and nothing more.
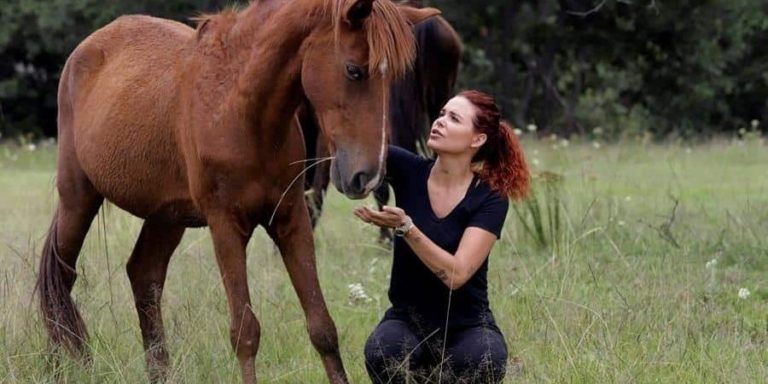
(360, 180)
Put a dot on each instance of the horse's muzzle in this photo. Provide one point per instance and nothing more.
(359, 185)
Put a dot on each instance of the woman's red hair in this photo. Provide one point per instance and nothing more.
(504, 167)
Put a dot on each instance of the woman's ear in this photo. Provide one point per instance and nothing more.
(478, 140)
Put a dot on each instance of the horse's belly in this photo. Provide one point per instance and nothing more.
(134, 165)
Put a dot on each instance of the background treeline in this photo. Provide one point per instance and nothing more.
(683, 67)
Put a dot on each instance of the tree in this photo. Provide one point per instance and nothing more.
(37, 36)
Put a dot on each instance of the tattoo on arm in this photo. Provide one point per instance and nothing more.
(442, 275)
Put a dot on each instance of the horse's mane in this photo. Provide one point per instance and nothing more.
(391, 44)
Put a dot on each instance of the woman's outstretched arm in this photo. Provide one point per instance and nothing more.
(453, 270)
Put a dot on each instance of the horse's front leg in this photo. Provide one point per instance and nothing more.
(230, 237)
(292, 233)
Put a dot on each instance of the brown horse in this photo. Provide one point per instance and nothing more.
(415, 101)
(187, 128)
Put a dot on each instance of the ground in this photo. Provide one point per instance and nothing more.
(649, 264)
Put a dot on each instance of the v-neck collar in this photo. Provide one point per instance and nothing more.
(429, 201)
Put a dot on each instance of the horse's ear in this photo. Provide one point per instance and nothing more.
(417, 15)
(202, 21)
(358, 12)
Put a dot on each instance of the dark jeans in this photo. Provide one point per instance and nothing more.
(396, 350)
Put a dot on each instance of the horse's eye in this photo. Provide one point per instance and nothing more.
(356, 72)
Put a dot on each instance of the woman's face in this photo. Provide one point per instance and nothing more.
(454, 132)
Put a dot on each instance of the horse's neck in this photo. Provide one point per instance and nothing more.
(262, 64)
(271, 77)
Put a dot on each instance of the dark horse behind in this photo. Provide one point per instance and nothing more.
(415, 101)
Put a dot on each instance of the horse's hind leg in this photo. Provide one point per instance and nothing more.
(293, 235)
(147, 269)
(79, 202)
(320, 176)
(319, 187)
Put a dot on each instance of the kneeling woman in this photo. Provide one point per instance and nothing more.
(449, 213)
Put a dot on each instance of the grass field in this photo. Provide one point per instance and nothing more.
(640, 283)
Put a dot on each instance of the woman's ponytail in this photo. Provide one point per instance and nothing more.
(503, 166)
(508, 172)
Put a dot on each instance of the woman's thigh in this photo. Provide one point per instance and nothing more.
(391, 342)
(477, 354)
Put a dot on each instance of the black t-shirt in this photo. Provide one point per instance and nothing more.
(415, 292)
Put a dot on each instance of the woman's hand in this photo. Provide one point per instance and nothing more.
(388, 217)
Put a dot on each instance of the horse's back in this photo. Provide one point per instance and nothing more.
(121, 86)
(129, 48)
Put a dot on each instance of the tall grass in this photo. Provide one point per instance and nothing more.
(613, 284)
(540, 215)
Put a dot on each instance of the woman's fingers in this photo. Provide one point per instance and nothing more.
(393, 210)
(382, 219)
(362, 214)
(386, 218)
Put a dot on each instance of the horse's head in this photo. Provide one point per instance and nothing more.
(346, 71)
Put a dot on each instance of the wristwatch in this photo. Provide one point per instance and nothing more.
(404, 228)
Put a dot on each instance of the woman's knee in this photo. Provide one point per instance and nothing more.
(480, 357)
(388, 348)
(391, 340)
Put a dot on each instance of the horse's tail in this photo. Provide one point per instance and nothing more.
(54, 282)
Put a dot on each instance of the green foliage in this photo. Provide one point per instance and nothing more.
(37, 36)
(687, 67)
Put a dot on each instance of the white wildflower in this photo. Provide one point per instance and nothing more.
(744, 293)
(711, 264)
(31, 147)
(357, 294)
(688, 151)
(621, 223)
(627, 198)
(536, 162)
(532, 127)
(518, 132)
(372, 266)
(597, 131)
(564, 143)
(755, 124)
(742, 131)
(596, 144)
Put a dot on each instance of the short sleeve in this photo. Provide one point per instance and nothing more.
(399, 163)
(490, 215)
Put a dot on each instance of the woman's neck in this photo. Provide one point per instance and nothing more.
(451, 171)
